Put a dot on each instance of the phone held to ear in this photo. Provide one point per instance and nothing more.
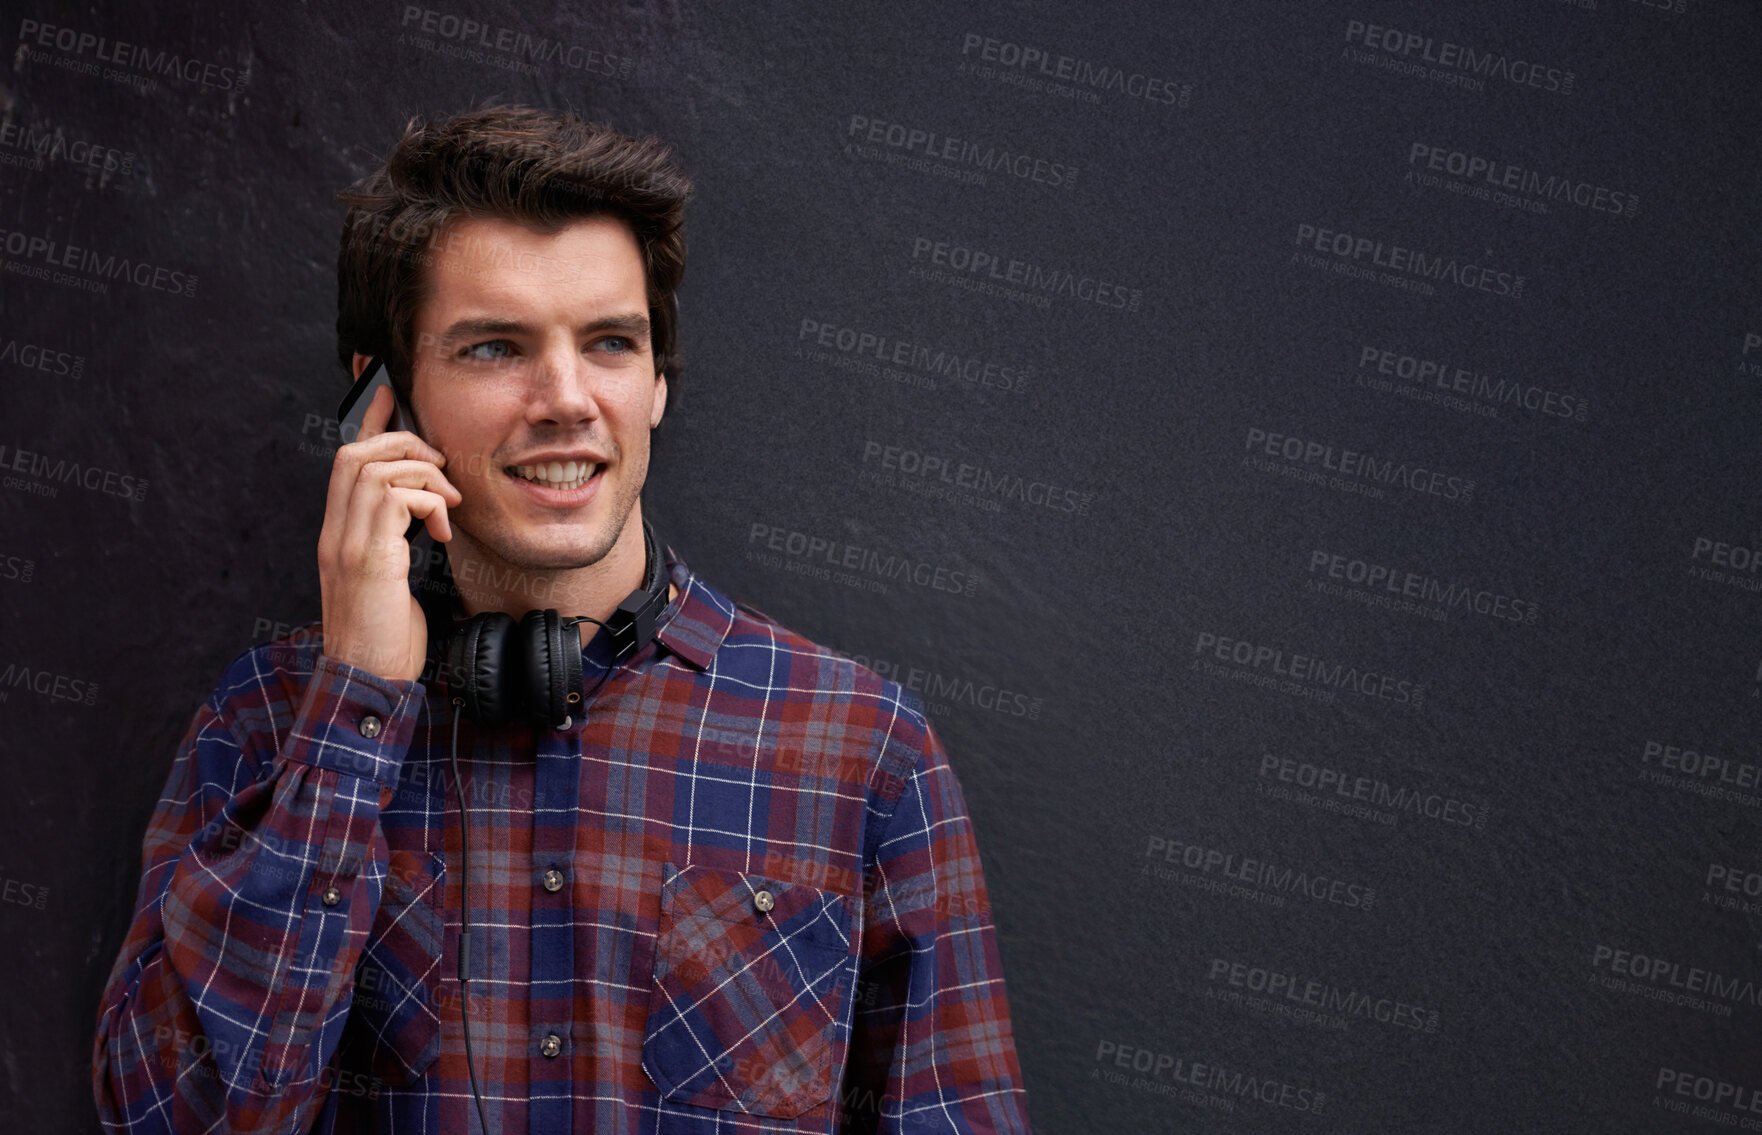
(353, 407)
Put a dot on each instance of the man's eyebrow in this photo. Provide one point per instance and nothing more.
(633, 323)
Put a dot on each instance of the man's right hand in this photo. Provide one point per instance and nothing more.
(378, 483)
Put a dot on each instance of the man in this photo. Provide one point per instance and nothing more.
(727, 883)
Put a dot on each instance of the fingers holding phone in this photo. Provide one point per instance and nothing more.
(382, 485)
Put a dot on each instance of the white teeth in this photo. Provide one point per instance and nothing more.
(563, 475)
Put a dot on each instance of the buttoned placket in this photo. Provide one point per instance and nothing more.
(553, 968)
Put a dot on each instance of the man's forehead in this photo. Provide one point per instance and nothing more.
(487, 263)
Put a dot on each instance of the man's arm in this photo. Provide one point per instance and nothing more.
(262, 870)
(931, 1046)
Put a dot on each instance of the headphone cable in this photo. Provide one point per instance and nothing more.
(465, 919)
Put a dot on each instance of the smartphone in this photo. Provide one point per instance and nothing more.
(353, 407)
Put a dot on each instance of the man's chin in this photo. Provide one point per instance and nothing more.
(551, 558)
(562, 551)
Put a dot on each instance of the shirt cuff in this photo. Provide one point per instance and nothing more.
(355, 722)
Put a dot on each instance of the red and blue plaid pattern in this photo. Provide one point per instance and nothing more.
(753, 992)
(741, 895)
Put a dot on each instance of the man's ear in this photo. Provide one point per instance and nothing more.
(361, 362)
(660, 404)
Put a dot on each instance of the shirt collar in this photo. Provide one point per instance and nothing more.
(695, 623)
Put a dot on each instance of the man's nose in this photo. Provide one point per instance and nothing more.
(563, 389)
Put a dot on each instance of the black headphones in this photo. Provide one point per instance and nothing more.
(497, 669)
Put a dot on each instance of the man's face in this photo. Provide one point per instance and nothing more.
(532, 351)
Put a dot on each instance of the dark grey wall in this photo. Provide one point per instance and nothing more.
(1353, 443)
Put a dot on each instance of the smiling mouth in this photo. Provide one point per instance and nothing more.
(563, 475)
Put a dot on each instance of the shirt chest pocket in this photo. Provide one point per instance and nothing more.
(395, 1013)
(752, 976)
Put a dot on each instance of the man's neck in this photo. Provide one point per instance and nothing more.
(487, 582)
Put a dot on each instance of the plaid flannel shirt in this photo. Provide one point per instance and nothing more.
(742, 895)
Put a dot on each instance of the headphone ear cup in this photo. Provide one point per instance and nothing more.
(553, 665)
(481, 658)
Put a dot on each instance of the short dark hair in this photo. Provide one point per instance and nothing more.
(540, 168)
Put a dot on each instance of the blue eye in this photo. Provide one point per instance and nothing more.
(629, 344)
(504, 350)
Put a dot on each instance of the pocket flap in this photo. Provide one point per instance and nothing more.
(795, 909)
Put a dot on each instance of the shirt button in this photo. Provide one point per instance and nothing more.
(764, 901)
(551, 1045)
(553, 880)
(370, 727)
(331, 896)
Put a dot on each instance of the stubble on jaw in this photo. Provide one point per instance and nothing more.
(496, 548)
(496, 570)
